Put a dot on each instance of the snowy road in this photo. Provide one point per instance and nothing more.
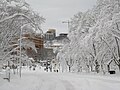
(37, 80)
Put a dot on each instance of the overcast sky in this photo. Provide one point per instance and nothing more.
(56, 11)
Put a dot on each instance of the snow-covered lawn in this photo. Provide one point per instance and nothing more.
(40, 80)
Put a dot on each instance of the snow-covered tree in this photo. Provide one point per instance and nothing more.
(15, 16)
(95, 36)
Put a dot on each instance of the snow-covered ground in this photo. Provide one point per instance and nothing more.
(40, 80)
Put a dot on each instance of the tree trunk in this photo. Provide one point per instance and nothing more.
(119, 67)
(102, 68)
(88, 68)
(96, 66)
(108, 66)
(91, 68)
(69, 69)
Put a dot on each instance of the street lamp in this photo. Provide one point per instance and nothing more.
(20, 50)
(21, 32)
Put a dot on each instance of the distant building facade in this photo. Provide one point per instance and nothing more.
(61, 36)
(50, 34)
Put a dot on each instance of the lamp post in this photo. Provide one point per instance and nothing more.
(20, 51)
(21, 48)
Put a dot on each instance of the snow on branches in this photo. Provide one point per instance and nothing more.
(95, 37)
(16, 15)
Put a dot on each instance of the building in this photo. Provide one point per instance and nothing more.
(32, 51)
(62, 39)
(37, 39)
(50, 34)
(57, 43)
(39, 45)
(61, 36)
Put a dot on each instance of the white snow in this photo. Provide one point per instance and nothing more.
(41, 80)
